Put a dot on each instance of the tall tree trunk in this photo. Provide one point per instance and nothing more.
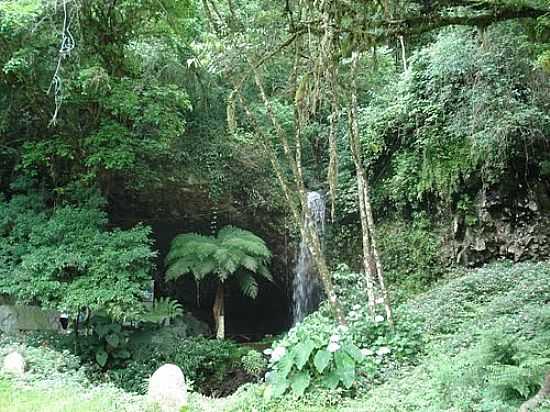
(218, 312)
(368, 260)
(371, 257)
(297, 204)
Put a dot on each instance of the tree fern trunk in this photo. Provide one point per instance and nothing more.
(218, 312)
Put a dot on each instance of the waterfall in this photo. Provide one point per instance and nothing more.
(306, 293)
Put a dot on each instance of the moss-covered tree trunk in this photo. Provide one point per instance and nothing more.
(371, 257)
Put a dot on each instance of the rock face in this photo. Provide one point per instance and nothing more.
(14, 364)
(511, 224)
(14, 318)
(167, 389)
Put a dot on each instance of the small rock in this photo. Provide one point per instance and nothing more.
(167, 389)
(14, 364)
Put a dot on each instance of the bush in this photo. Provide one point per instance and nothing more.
(486, 347)
(212, 366)
(44, 363)
(254, 363)
(65, 258)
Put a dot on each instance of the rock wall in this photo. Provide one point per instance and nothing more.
(507, 224)
(15, 318)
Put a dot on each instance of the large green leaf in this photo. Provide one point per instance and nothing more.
(285, 364)
(321, 360)
(345, 368)
(277, 385)
(101, 357)
(354, 352)
(113, 340)
(331, 380)
(302, 352)
(300, 382)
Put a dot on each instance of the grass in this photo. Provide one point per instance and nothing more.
(21, 397)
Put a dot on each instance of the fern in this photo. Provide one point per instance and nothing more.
(248, 284)
(233, 252)
(163, 310)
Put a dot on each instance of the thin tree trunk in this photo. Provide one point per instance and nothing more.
(377, 260)
(368, 260)
(218, 312)
(403, 53)
(289, 190)
(371, 257)
(333, 153)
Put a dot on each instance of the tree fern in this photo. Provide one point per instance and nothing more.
(232, 250)
(233, 253)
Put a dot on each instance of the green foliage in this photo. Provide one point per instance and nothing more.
(458, 120)
(42, 362)
(399, 346)
(313, 353)
(163, 310)
(254, 363)
(207, 364)
(233, 252)
(55, 381)
(107, 345)
(64, 258)
(486, 347)
(411, 254)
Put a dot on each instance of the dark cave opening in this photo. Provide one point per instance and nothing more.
(246, 319)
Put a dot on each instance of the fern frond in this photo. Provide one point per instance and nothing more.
(203, 268)
(179, 268)
(250, 263)
(164, 309)
(264, 272)
(248, 284)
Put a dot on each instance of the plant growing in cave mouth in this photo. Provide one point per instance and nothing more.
(234, 252)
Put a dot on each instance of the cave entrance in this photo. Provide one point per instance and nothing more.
(246, 320)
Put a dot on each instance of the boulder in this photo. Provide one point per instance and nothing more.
(167, 389)
(14, 364)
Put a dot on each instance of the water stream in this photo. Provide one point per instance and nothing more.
(306, 293)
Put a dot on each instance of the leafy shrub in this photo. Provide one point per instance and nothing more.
(254, 363)
(65, 258)
(55, 381)
(107, 345)
(486, 343)
(44, 363)
(404, 341)
(312, 353)
(320, 353)
(209, 364)
(499, 370)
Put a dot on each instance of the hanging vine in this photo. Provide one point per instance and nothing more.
(66, 46)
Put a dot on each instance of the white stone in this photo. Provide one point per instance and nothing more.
(14, 364)
(167, 389)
